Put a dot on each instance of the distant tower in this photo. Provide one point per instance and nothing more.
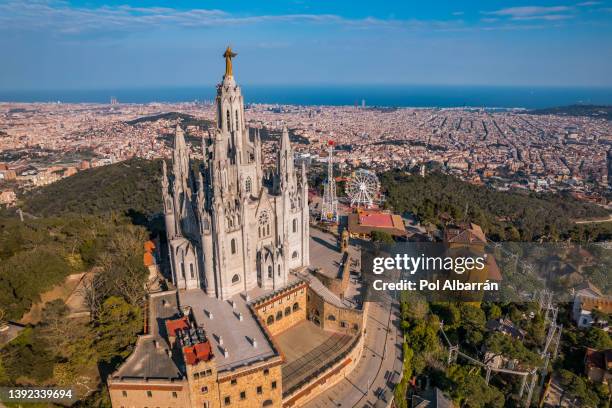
(363, 104)
(329, 206)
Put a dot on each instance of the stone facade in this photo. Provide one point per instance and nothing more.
(230, 227)
(334, 318)
(149, 393)
(283, 309)
(259, 386)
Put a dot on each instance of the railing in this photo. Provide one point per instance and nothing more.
(275, 293)
(321, 370)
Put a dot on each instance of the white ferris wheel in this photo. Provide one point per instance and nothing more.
(363, 188)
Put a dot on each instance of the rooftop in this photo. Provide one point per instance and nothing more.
(244, 340)
(364, 222)
(327, 259)
(152, 358)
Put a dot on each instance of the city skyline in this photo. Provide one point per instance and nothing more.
(95, 45)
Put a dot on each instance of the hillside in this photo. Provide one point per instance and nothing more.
(130, 186)
(79, 224)
(186, 120)
(593, 111)
(504, 215)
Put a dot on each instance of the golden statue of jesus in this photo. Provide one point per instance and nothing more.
(228, 54)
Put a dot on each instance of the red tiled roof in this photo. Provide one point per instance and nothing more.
(376, 220)
(364, 222)
(148, 259)
(149, 246)
(178, 324)
(197, 353)
(465, 235)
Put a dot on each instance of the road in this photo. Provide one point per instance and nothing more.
(380, 358)
(594, 221)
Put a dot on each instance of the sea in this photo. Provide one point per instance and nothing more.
(435, 96)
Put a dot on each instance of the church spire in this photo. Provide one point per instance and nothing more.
(286, 170)
(164, 180)
(284, 142)
(180, 162)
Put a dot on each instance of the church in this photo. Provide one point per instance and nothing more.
(223, 334)
(231, 227)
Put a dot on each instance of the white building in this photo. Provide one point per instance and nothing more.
(230, 227)
(587, 299)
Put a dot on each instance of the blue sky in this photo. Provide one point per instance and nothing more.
(57, 44)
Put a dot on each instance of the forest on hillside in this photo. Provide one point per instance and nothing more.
(130, 186)
(96, 221)
(507, 215)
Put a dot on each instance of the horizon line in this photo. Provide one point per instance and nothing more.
(309, 84)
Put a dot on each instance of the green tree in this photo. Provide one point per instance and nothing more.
(575, 387)
(471, 390)
(116, 328)
(504, 345)
(494, 311)
(27, 358)
(402, 387)
(382, 237)
(472, 323)
(598, 339)
(449, 313)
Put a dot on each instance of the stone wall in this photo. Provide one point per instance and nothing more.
(141, 393)
(334, 318)
(328, 377)
(283, 309)
(257, 387)
(203, 385)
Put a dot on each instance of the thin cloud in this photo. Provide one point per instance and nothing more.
(589, 3)
(59, 17)
(527, 13)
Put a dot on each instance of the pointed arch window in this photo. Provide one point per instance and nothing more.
(236, 125)
(248, 185)
(233, 245)
(264, 224)
(235, 279)
(294, 225)
(228, 119)
(270, 271)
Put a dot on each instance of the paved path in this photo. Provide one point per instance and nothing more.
(366, 384)
(594, 221)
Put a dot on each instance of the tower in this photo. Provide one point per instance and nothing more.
(239, 229)
(329, 205)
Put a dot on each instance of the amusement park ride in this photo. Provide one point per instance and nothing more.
(362, 190)
(329, 206)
